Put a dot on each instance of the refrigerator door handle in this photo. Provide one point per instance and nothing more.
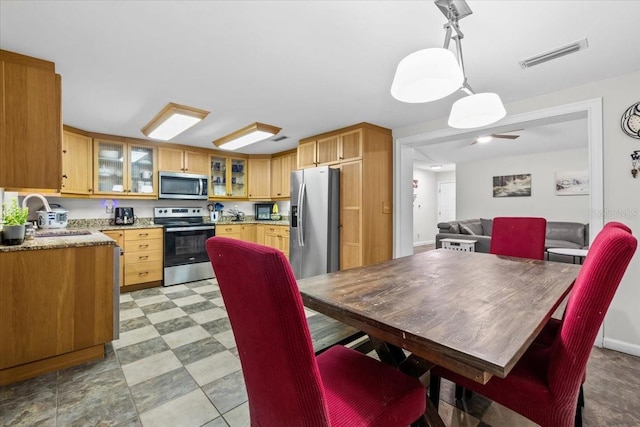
(301, 197)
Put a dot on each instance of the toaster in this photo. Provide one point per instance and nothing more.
(124, 216)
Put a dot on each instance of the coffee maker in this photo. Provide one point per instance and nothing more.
(124, 216)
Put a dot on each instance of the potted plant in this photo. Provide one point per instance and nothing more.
(14, 219)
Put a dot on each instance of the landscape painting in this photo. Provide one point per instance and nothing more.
(512, 185)
(572, 183)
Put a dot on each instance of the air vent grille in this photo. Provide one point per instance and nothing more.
(279, 138)
(554, 54)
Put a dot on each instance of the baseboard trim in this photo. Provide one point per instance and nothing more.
(621, 346)
(425, 242)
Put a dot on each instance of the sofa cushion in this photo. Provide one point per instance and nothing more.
(573, 232)
(472, 227)
(449, 227)
(487, 226)
(551, 243)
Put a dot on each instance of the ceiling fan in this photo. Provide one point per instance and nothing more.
(486, 138)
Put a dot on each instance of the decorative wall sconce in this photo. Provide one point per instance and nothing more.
(635, 156)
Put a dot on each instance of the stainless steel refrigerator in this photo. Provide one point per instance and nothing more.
(315, 221)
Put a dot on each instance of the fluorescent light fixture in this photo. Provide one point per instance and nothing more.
(246, 136)
(436, 167)
(173, 120)
(427, 75)
(480, 109)
(484, 139)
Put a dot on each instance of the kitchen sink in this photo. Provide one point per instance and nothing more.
(61, 233)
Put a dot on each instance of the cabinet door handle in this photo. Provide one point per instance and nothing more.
(143, 257)
(143, 234)
(143, 246)
(143, 273)
(65, 176)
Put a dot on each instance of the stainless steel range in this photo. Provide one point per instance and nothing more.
(185, 234)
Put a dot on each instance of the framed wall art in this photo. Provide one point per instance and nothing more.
(572, 183)
(512, 185)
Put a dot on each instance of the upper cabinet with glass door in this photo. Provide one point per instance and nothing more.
(228, 177)
(125, 169)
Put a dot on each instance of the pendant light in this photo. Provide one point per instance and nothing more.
(431, 74)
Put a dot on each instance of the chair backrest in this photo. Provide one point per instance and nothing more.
(618, 225)
(592, 292)
(265, 309)
(518, 236)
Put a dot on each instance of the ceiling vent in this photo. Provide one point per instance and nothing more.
(279, 138)
(555, 53)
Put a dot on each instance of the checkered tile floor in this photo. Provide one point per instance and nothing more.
(175, 364)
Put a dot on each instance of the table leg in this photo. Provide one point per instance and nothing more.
(413, 366)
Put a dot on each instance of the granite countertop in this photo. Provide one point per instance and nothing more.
(64, 238)
(250, 221)
(88, 233)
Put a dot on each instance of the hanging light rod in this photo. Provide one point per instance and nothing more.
(246, 136)
(431, 74)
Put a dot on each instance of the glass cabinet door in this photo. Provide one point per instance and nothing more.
(109, 167)
(238, 175)
(141, 166)
(218, 176)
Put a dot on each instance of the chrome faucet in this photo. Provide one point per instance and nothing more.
(38, 196)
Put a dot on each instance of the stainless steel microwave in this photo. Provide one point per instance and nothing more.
(176, 185)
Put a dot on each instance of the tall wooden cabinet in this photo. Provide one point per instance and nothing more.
(77, 163)
(364, 155)
(30, 123)
(259, 178)
(180, 160)
(281, 168)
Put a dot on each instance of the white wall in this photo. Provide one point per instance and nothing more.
(474, 191)
(621, 190)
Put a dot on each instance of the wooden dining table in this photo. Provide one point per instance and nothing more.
(472, 313)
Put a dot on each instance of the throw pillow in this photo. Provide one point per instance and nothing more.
(466, 230)
(487, 226)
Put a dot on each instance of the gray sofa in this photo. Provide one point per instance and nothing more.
(560, 234)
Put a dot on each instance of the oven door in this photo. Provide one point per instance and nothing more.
(186, 244)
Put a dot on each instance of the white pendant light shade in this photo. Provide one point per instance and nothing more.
(476, 110)
(427, 75)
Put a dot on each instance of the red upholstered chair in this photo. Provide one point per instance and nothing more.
(551, 329)
(518, 236)
(286, 383)
(544, 384)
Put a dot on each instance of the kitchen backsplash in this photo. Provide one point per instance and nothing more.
(96, 208)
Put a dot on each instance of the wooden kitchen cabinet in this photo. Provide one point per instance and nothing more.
(143, 254)
(125, 169)
(177, 160)
(228, 177)
(249, 232)
(56, 309)
(30, 123)
(77, 163)
(233, 231)
(281, 168)
(260, 179)
(277, 236)
(364, 155)
(245, 232)
(330, 149)
(118, 236)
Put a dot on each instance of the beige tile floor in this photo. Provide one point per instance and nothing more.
(176, 364)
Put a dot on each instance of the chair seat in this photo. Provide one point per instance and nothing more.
(346, 372)
(527, 382)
